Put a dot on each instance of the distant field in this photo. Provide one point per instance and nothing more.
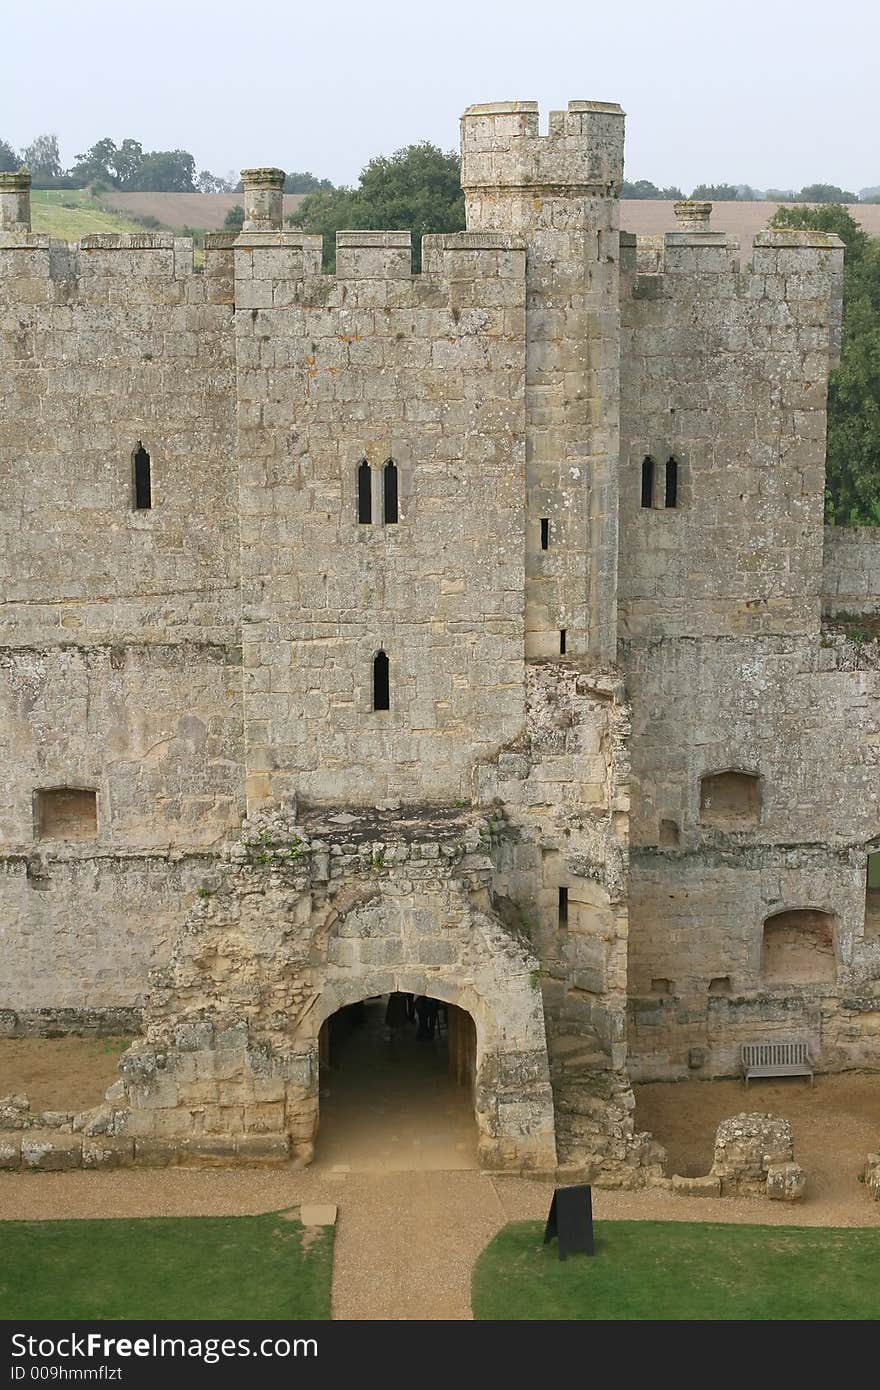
(650, 217)
(69, 213)
(206, 211)
(202, 210)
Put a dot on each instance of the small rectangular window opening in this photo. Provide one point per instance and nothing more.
(381, 682)
(365, 495)
(671, 492)
(66, 813)
(563, 907)
(562, 641)
(647, 481)
(143, 492)
(545, 533)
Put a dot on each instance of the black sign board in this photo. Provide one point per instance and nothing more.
(571, 1220)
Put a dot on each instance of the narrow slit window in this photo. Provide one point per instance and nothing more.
(365, 495)
(389, 479)
(381, 684)
(671, 494)
(647, 481)
(562, 635)
(563, 907)
(143, 490)
(545, 533)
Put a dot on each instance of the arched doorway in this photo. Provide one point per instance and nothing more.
(440, 945)
(396, 1086)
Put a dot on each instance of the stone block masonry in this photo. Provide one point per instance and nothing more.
(457, 632)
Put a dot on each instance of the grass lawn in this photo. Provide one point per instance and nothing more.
(681, 1270)
(70, 213)
(232, 1267)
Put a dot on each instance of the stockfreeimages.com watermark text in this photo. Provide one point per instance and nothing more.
(30, 1354)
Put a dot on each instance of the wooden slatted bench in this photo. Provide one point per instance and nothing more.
(776, 1059)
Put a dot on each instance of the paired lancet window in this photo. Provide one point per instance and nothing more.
(385, 501)
(670, 482)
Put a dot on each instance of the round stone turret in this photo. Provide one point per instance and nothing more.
(15, 202)
(691, 215)
(263, 200)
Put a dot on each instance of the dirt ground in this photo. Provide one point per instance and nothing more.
(384, 1111)
(836, 1121)
(60, 1073)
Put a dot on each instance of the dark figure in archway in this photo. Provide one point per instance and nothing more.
(426, 1010)
(395, 1015)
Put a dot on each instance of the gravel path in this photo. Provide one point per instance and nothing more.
(406, 1242)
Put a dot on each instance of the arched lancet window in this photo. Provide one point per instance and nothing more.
(143, 490)
(647, 481)
(365, 494)
(670, 498)
(381, 684)
(389, 479)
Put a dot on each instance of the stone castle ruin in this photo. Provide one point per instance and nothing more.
(468, 633)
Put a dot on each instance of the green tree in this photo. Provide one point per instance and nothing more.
(416, 189)
(644, 188)
(164, 171)
(716, 192)
(825, 193)
(109, 163)
(852, 496)
(43, 159)
(306, 183)
(9, 160)
(234, 219)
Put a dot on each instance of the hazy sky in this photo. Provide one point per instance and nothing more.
(771, 93)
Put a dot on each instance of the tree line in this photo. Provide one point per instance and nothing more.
(744, 193)
(129, 167)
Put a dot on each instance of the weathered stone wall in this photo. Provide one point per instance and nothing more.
(560, 193)
(725, 371)
(376, 364)
(120, 638)
(851, 572)
(80, 932)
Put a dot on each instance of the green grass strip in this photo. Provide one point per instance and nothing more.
(217, 1267)
(673, 1270)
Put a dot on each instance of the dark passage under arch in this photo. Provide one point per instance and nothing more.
(397, 1077)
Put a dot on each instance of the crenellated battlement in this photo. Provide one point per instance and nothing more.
(272, 259)
(501, 147)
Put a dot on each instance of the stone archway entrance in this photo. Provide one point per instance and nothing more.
(397, 1098)
(229, 1065)
(439, 945)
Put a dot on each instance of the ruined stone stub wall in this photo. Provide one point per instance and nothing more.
(376, 364)
(119, 646)
(560, 876)
(81, 931)
(851, 574)
(560, 192)
(726, 668)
